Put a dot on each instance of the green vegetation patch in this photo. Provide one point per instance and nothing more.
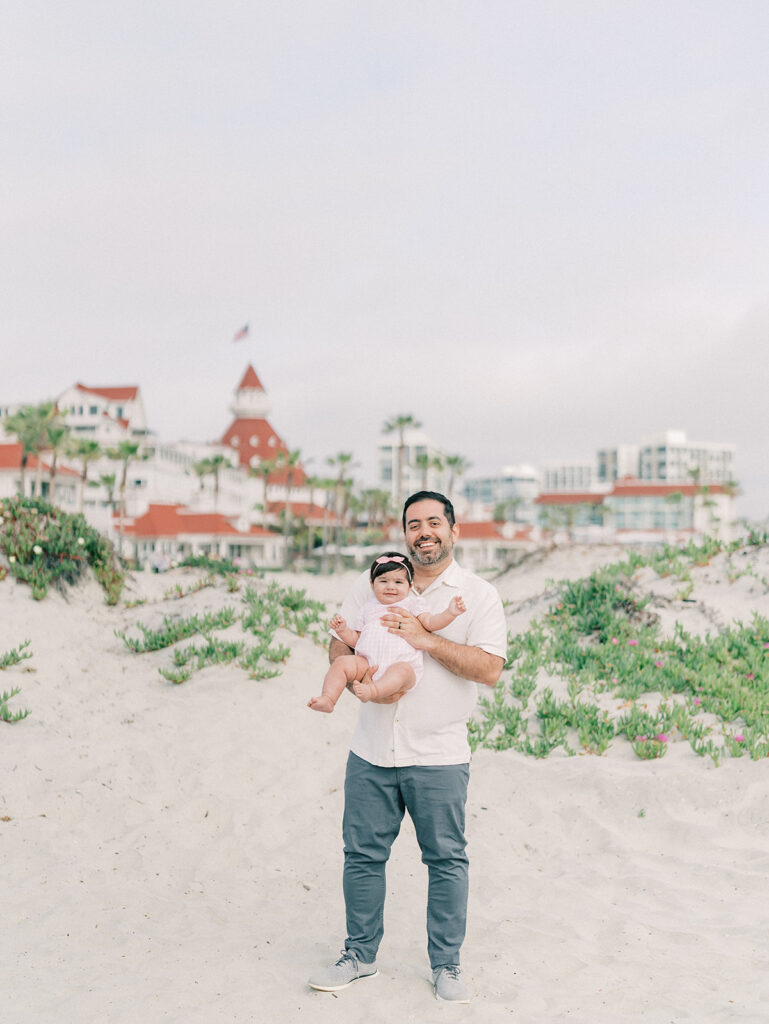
(625, 679)
(44, 546)
(7, 660)
(265, 611)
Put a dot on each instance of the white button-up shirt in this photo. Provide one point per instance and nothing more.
(428, 726)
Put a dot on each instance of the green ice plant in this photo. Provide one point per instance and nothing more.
(177, 591)
(175, 629)
(44, 546)
(601, 638)
(16, 655)
(6, 715)
(7, 660)
(265, 611)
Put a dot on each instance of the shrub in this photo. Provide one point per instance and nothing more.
(45, 547)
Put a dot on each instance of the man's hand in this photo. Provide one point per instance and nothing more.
(403, 623)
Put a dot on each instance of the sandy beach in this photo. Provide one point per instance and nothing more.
(173, 852)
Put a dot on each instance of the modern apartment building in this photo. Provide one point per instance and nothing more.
(670, 456)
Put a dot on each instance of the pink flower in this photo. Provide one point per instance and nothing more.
(766, 647)
(641, 739)
(614, 640)
(697, 701)
(659, 664)
(661, 737)
(632, 643)
(750, 675)
(739, 737)
(614, 681)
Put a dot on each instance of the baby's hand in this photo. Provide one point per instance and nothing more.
(337, 623)
(457, 606)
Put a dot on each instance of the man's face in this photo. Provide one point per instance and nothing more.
(429, 538)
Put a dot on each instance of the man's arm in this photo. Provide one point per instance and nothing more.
(337, 649)
(463, 660)
(468, 662)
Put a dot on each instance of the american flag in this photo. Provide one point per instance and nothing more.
(241, 334)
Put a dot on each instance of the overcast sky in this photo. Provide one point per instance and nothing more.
(539, 226)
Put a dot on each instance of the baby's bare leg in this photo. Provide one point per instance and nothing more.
(399, 676)
(344, 670)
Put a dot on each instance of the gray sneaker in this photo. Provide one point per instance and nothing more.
(344, 972)
(448, 984)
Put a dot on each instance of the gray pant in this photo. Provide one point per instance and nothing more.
(375, 801)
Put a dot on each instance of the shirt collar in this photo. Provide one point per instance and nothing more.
(449, 576)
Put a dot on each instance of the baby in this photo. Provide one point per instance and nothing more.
(400, 664)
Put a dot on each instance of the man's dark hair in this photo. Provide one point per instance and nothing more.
(448, 508)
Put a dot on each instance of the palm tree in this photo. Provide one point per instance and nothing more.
(125, 452)
(29, 425)
(342, 462)
(108, 481)
(57, 437)
(44, 417)
(313, 483)
(215, 464)
(18, 425)
(425, 463)
(85, 451)
(400, 424)
(289, 460)
(201, 469)
(457, 465)
(376, 504)
(264, 469)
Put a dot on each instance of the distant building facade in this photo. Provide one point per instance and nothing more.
(168, 486)
(431, 475)
(509, 494)
(577, 475)
(670, 456)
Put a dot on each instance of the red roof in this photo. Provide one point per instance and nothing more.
(10, 458)
(488, 530)
(173, 520)
(570, 498)
(250, 380)
(116, 394)
(257, 438)
(301, 509)
(630, 488)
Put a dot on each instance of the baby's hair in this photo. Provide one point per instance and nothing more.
(387, 562)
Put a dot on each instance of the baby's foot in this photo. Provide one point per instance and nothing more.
(363, 691)
(321, 703)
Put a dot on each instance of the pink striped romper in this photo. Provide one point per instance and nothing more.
(377, 645)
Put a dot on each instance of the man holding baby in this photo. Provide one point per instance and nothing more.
(410, 752)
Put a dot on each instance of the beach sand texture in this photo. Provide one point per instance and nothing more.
(173, 853)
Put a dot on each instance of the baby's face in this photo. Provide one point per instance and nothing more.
(391, 587)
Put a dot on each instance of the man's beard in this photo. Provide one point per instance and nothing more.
(439, 553)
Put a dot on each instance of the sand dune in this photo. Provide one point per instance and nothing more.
(172, 853)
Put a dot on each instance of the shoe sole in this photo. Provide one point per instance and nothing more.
(338, 988)
(442, 1000)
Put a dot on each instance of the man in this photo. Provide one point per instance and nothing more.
(413, 755)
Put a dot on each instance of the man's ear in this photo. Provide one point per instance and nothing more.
(455, 531)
